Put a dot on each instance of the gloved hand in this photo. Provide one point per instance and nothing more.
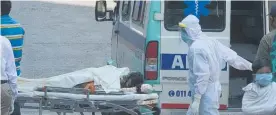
(146, 88)
(12, 107)
(250, 67)
(195, 104)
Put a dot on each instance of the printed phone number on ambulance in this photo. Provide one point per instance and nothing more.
(179, 93)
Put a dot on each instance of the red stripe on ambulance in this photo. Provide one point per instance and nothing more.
(184, 106)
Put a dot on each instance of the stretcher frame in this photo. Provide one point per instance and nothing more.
(67, 105)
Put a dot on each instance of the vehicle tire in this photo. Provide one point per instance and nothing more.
(137, 111)
(16, 110)
(120, 113)
(106, 113)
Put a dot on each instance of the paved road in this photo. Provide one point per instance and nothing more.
(61, 37)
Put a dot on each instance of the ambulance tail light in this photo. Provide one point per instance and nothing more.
(151, 61)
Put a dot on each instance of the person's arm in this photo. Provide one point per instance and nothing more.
(263, 50)
(10, 67)
(200, 70)
(233, 59)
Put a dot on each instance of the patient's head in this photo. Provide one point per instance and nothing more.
(261, 66)
(133, 79)
(263, 75)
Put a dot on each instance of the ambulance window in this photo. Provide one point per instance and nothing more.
(214, 22)
(138, 13)
(126, 8)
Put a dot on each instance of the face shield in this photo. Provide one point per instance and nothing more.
(183, 33)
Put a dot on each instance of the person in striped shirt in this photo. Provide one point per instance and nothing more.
(12, 30)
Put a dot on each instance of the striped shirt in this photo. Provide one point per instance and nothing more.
(15, 33)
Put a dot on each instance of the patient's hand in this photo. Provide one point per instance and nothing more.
(146, 88)
(90, 86)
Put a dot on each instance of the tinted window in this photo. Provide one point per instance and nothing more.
(126, 8)
(138, 12)
(215, 21)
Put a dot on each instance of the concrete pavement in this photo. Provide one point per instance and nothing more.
(61, 37)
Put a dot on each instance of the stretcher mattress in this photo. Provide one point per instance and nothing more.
(129, 96)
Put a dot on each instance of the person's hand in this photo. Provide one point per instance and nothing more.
(12, 107)
(195, 104)
(146, 88)
(250, 66)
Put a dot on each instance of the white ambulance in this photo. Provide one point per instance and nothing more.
(146, 39)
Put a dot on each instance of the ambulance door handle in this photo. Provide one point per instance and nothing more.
(116, 31)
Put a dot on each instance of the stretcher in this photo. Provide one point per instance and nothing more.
(70, 100)
(56, 94)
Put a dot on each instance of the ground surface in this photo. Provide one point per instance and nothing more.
(61, 37)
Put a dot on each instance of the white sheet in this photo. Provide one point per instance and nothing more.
(130, 96)
(107, 76)
(259, 100)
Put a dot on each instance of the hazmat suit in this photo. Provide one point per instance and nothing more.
(206, 58)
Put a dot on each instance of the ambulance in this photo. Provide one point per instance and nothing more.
(146, 38)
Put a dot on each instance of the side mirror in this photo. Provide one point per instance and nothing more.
(101, 12)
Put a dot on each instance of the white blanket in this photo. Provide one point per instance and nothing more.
(107, 76)
(259, 100)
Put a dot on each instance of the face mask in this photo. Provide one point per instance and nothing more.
(184, 36)
(264, 79)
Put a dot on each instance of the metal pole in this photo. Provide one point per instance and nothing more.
(40, 107)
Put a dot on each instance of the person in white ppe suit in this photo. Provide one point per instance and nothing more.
(206, 58)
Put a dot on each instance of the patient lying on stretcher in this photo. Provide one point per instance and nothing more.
(107, 78)
(132, 82)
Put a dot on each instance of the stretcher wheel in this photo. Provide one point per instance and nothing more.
(156, 110)
(106, 113)
(16, 110)
(122, 113)
(137, 111)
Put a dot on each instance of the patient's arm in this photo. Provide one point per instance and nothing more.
(144, 88)
(91, 87)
